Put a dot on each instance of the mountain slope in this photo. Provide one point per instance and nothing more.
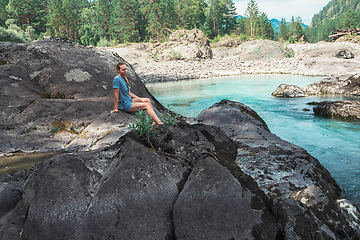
(333, 10)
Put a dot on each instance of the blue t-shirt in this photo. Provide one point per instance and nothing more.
(125, 101)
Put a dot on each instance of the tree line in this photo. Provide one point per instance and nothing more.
(96, 22)
(89, 21)
(118, 21)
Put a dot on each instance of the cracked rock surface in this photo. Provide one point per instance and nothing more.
(56, 93)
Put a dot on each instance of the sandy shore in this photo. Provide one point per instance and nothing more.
(309, 60)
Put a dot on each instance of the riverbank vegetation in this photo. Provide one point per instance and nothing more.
(108, 23)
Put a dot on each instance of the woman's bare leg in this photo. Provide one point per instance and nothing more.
(144, 104)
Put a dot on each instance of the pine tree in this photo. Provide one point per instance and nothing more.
(350, 19)
(129, 23)
(241, 26)
(103, 17)
(64, 18)
(27, 13)
(3, 12)
(191, 13)
(56, 21)
(161, 17)
(221, 17)
(298, 28)
(266, 29)
(283, 29)
(252, 13)
(230, 16)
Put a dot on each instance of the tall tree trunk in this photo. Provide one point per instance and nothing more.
(157, 16)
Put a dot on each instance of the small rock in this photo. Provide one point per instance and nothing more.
(346, 54)
(288, 91)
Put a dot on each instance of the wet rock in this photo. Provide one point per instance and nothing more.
(299, 221)
(345, 85)
(288, 91)
(312, 103)
(346, 110)
(311, 196)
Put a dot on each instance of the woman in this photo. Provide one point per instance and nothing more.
(126, 100)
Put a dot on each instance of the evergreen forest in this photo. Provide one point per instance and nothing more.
(111, 22)
(337, 14)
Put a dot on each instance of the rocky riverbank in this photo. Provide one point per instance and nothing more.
(253, 57)
(345, 85)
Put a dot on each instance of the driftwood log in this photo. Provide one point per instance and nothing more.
(341, 33)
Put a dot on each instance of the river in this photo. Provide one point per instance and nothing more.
(335, 143)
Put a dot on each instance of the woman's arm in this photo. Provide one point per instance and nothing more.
(132, 95)
(116, 100)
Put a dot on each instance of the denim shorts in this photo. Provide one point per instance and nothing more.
(125, 106)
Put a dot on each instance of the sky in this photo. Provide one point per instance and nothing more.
(285, 8)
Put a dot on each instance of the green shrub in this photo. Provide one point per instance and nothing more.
(289, 52)
(30, 34)
(13, 33)
(175, 55)
(103, 42)
(143, 127)
(216, 39)
(292, 39)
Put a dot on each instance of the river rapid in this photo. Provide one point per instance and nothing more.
(335, 143)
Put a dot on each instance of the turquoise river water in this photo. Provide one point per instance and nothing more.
(335, 143)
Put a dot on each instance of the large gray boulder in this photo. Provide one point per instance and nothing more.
(128, 191)
(345, 110)
(280, 169)
(183, 45)
(53, 90)
(259, 50)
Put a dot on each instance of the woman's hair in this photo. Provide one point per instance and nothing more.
(118, 69)
(118, 65)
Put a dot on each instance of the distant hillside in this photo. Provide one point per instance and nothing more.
(333, 10)
(337, 14)
(275, 23)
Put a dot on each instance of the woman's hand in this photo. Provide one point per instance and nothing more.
(114, 111)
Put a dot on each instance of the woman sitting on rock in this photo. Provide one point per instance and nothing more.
(126, 100)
